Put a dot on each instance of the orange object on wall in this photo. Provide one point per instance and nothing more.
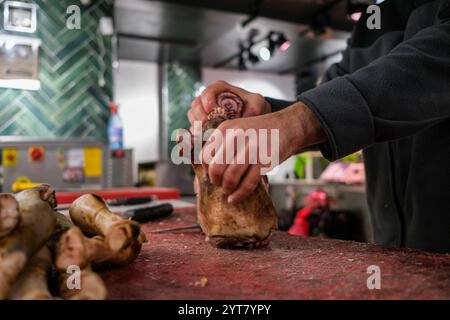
(36, 153)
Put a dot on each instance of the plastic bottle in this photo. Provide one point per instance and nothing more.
(115, 128)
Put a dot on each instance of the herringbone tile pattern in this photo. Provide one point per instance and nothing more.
(182, 82)
(70, 102)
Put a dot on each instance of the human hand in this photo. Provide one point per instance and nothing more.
(254, 104)
(229, 165)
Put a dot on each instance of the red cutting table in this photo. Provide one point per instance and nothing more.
(171, 266)
(107, 194)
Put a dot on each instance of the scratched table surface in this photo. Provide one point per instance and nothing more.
(183, 266)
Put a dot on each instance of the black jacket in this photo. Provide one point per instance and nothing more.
(390, 96)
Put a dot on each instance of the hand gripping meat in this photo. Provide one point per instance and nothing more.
(247, 224)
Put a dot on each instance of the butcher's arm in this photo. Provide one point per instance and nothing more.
(395, 96)
(299, 110)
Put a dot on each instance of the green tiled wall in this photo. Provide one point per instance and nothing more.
(183, 81)
(70, 102)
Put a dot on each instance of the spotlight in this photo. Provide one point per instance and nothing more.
(355, 16)
(265, 53)
(282, 42)
(273, 41)
(268, 46)
(277, 40)
(285, 45)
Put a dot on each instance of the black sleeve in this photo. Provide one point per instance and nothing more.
(277, 104)
(395, 96)
(341, 68)
(337, 69)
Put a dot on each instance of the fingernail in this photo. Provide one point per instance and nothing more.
(230, 199)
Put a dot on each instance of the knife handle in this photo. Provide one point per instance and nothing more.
(149, 213)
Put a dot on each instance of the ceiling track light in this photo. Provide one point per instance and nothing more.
(276, 40)
(251, 51)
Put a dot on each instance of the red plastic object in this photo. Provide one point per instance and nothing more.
(314, 200)
(301, 224)
(117, 193)
(118, 153)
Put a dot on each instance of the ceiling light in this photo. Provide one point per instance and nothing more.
(23, 84)
(265, 53)
(282, 42)
(355, 16)
(285, 45)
